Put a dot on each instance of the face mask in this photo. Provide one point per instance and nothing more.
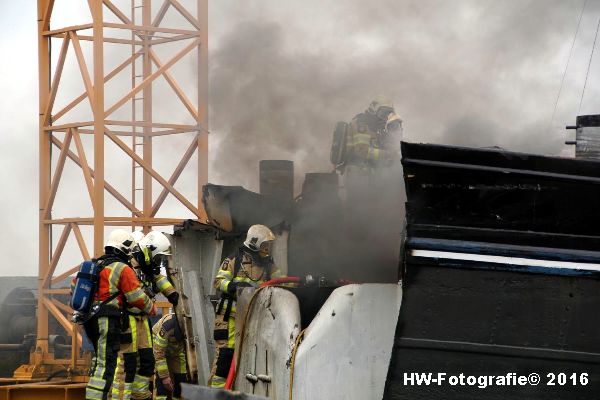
(395, 128)
(160, 260)
(265, 249)
(383, 113)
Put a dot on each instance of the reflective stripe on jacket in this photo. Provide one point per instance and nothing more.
(249, 272)
(162, 284)
(120, 277)
(362, 145)
(169, 347)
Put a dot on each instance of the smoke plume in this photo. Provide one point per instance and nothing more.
(473, 73)
(469, 73)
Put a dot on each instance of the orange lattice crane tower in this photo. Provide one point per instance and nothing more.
(124, 117)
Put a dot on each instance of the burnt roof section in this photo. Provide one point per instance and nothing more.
(498, 196)
(234, 209)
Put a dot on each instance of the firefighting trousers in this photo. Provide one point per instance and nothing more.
(136, 361)
(105, 335)
(161, 391)
(225, 339)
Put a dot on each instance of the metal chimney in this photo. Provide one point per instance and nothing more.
(587, 137)
(277, 179)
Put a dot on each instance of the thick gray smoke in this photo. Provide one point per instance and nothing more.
(475, 73)
(470, 73)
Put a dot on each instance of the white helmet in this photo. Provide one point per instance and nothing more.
(258, 237)
(155, 243)
(137, 236)
(121, 240)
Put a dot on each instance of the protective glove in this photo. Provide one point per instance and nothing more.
(233, 287)
(173, 298)
(168, 383)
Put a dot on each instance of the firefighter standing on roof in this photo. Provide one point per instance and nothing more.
(364, 149)
(250, 266)
(137, 357)
(117, 285)
(169, 353)
(366, 145)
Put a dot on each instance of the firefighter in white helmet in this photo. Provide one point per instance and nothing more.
(136, 359)
(117, 286)
(250, 265)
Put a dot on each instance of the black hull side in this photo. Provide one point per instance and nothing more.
(501, 274)
(482, 322)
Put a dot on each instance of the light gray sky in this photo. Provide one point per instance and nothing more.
(464, 72)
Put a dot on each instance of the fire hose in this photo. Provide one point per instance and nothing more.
(281, 281)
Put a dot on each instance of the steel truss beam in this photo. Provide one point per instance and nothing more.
(146, 31)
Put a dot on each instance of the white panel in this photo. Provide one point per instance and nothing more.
(268, 341)
(526, 262)
(195, 255)
(347, 348)
(202, 321)
(280, 252)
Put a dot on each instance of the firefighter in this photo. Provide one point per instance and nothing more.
(365, 148)
(365, 142)
(117, 285)
(136, 361)
(249, 266)
(169, 353)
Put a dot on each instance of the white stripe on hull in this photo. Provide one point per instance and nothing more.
(526, 262)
